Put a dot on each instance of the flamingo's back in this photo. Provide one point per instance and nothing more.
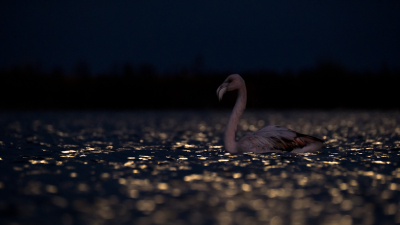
(275, 139)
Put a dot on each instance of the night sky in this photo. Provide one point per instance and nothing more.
(227, 35)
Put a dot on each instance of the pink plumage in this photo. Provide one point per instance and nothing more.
(268, 139)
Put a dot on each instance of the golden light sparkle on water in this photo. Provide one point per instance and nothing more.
(171, 168)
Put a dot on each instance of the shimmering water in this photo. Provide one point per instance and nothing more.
(169, 168)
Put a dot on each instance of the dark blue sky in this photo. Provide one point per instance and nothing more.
(235, 35)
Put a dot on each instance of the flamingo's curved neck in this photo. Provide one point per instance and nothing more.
(230, 131)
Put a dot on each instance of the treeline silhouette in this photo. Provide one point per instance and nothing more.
(326, 86)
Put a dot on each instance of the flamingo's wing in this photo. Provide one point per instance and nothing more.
(275, 138)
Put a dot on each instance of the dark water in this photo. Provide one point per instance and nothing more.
(169, 168)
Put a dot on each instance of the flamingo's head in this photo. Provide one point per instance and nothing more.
(232, 82)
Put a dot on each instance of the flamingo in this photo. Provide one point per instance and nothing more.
(271, 138)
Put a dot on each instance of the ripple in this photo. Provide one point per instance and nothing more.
(170, 168)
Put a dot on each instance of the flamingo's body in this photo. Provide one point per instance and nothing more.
(267, 139)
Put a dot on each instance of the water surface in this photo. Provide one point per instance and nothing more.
(148, 167)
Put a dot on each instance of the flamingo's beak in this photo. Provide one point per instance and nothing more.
(221, 91)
